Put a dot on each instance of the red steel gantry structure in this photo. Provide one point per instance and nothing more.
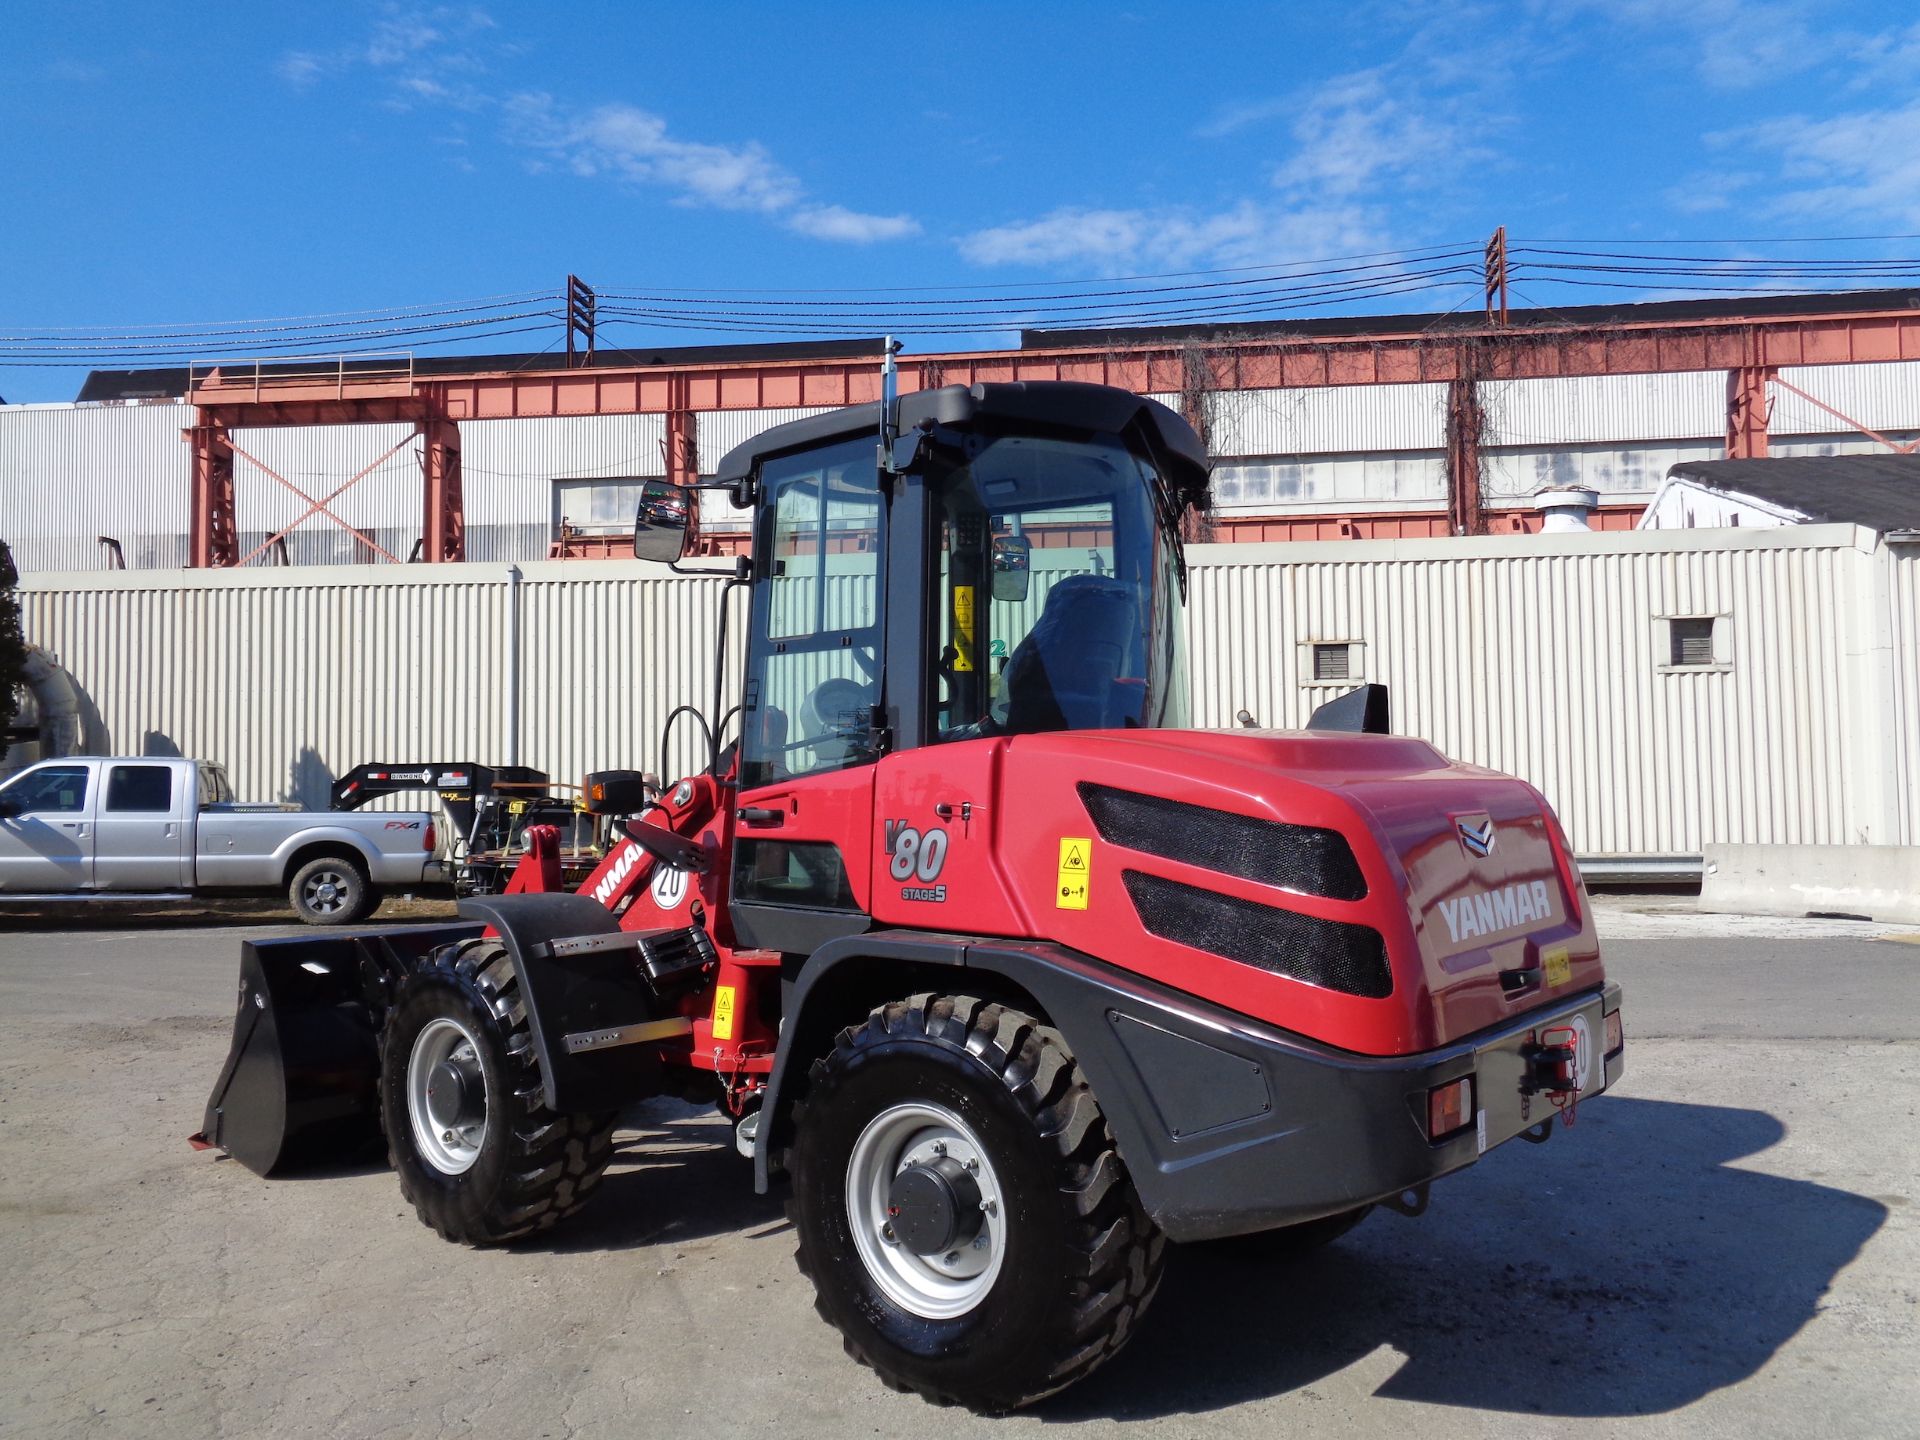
(1751, 343)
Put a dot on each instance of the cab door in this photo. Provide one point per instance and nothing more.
(803, 815)
(46, 829)
(142, 825)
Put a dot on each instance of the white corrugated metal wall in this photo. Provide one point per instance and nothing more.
(71, 473)
(384, 504)
(1540, 655)
(1544, 656)
(507, 470)
(1902, 721)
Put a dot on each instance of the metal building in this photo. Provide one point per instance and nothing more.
(1381, 427)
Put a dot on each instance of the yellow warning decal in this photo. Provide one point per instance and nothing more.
(1558, 965)
(963, 631)
(1076, 865)
(723, 1013)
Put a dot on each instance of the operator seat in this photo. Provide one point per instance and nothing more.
(1066, 674)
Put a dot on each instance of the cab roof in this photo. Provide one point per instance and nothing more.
(1071, 404)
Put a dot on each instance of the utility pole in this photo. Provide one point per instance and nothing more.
(1497, 276)
(580, 306)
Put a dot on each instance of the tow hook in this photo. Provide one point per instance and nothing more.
(1553, 1069)
(1551, 1062)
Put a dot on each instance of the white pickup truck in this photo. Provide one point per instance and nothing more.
(149, 828)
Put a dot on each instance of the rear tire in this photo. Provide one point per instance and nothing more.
(332, 890)
(1055, 1277)
(480, 1156)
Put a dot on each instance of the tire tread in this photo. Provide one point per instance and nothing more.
(554, 1162)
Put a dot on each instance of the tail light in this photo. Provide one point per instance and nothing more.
(433, 838)
(1449, 1107)
(1563, 857)
(1616, 1034)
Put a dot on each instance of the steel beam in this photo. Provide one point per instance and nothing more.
(1748, 410)
(214, 537)
(442, 511)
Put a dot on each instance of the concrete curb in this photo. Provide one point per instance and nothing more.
(1879, 882)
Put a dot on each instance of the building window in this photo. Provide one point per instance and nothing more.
(596, 507)
(1690, 642)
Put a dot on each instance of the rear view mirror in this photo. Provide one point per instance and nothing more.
(1012, 567)
(660, 527)
(9, 807)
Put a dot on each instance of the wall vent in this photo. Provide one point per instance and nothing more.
(1691, 642)
(1332, 662)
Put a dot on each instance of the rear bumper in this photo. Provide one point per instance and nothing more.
(1240, 1130)
(1227, 1125)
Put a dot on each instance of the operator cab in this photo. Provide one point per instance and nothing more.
(1009, 566)
(1008, 578)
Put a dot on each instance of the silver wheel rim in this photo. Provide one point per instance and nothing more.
(450, 1147)
(936, 1287)
(325, 892)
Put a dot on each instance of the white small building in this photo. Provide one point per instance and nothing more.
(1879, 492)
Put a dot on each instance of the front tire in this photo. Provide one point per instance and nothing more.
(967, 1224)
(480, 1157)
(332, 890)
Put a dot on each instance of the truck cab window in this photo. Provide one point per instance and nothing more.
(143, 789)
(814, 674)
(56, 790)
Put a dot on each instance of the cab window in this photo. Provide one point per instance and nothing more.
(814, 675)
(139, 789)
(1053, 604)
(56, 790)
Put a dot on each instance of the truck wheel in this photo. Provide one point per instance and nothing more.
(480, 1156)
(961, 1210)
(332, 890)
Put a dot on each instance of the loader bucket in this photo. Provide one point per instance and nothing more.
(301, 1084)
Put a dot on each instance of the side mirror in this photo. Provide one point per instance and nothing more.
(1012, 567)
(660, 527)
(10, 808)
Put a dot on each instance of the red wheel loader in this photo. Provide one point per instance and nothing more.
(1008, 976)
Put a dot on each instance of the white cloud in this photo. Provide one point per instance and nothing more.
(1864, 165)
(1358, 130)
(1355, 141)
(634, 145)
(300, 68)
(836, 222)
(401, 37)
(1113, 239)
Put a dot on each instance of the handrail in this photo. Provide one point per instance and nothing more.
(258, 379)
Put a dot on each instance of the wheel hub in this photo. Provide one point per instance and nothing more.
(925, 1208)
(456, 1093)
(447, 1096)
(934, 1207)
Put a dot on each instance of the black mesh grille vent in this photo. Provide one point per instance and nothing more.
(1330, 953)
(1294, 857)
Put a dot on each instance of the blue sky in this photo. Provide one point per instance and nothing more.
(201, 163)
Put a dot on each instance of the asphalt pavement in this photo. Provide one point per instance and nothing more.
(1725, 1245)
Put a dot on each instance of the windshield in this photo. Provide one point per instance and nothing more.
(1057, 599)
